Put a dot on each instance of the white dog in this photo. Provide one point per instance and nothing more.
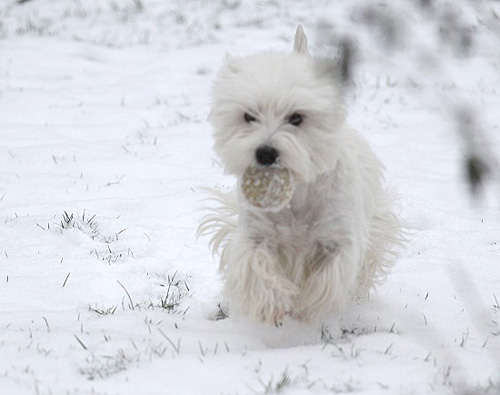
(337, 236)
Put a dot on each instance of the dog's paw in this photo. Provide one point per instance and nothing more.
(274, 312)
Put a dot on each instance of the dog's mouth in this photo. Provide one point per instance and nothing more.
(268, 188)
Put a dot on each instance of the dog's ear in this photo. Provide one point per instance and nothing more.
(300, 41)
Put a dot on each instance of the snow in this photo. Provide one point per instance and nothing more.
(104, 145)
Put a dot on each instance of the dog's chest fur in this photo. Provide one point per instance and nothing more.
(298, 231)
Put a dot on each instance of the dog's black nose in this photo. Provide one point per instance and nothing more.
(266, 155)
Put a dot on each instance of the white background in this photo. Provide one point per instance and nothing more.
(103, 109)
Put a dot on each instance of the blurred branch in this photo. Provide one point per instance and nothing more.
(480, 164)
(440, 28)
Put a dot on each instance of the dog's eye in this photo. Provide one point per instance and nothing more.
(249, 118)
(295, 119)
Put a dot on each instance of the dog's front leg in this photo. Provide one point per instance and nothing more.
(255, 284)
(330, 279)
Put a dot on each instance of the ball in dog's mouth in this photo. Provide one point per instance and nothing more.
(267, 188)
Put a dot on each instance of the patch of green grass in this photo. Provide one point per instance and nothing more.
(34, 26)
(273, 386)
(105, 366)
(222, 312)
(103, 311)
(176, 291)
(87, 225)
(102, 366)
(128, 8)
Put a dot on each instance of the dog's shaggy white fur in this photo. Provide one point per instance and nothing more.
(337, 237)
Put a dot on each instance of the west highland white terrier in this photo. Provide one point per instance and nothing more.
(310, 225)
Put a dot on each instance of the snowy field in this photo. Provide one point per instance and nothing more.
(104, 144)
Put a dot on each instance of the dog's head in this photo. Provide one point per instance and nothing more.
(278, 108)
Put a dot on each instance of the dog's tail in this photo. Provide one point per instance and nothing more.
(221, 221)
(389, 236)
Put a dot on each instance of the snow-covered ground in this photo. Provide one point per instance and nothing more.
(104, 288)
